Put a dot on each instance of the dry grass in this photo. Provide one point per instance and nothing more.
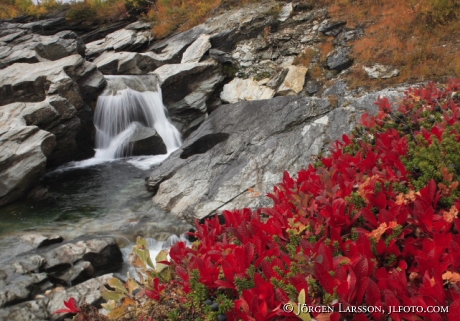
(305, 57)
(420, 37)
(15, 8)
(100, 11)
(172, 15)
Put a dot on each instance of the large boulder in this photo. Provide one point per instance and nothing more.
(72, 262)
(23, 152)
(41, 107)
(242, 150)
(124, 63)
(44, 306)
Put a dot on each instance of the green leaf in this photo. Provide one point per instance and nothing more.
(117, 285)
(305, 316)
(111, 295)
(162, 256)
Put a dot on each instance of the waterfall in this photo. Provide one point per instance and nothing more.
(129, 103)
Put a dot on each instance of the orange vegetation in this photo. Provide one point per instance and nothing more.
(420, 37)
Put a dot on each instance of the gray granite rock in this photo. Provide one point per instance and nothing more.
(248, 145)
(185, 88)
(339, 59)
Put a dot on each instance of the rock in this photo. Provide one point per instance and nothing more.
(33, 273)
(62, 44)
(81, 270)
(380, 71)
(339, 59)
(338, 89)
(245, 89)
(36, 134)
(23, 152)
(21, 288)
(276, 80)
(87, 292)
(124, 63)
(196, 50)
(331, 28)
(348, 35)
(220, 56)
(33, 48)
(170, 50)
(293, 82)
(102, 253)
(146, 141)
(285, 12)
(35, 310)
(26, 82)
(225, 30)
(312, 87)
(133, 37)
(43, 308)
(185, 88)
(20, 280)
(36, 240)
(240, 146)
(242, 150)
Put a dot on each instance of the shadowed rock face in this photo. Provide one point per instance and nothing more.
(41, 106)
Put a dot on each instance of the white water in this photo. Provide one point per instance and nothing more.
(119, 111)
(128, 104)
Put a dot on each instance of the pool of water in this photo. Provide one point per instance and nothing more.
(108, 198)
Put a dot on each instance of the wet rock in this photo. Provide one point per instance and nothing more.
(146, 141)
(293, 82)
(20, 288)
(197, 49)
(185, 88)
(36, 240)
(102, 253)
(339, 59)
(380, 71)
(124, 63)
(245, 89)
(36, 134)
(81, 270)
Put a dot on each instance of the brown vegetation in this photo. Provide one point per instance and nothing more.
(420, 37)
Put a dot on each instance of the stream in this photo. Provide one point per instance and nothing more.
(104, 195)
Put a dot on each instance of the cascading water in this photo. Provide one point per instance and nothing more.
(128, 103)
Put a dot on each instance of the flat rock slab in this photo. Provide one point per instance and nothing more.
(245, 89)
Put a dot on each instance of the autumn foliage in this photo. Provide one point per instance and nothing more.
(353, 229)
(374, 223)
